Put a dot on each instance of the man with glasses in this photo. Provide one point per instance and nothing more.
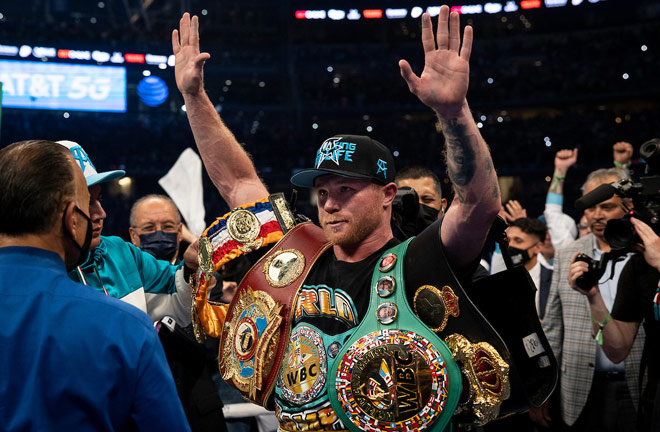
(71, 358)
(156, 227)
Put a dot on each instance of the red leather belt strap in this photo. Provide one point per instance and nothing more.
(249, 358)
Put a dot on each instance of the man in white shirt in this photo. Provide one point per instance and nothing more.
(594, 393)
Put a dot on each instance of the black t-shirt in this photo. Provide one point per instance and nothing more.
(636, 291)
(335, 295)
(331, 303)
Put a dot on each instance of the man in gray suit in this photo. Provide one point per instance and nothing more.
(595, 394)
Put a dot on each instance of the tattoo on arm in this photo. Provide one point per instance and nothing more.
(460, 156)
(496, 190)
(488, 163)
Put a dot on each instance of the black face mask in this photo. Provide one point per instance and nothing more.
(84, 249)
(427, 215)
(519, 256)
(162, 245)
(411, 225)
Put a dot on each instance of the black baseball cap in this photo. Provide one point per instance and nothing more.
(354, 156)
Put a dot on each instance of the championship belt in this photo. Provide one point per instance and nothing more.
(242, 230)
(393, 374)
(506, 300)
(256, 331)
(492, 329)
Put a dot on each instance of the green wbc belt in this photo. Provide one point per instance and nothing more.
(393, 374)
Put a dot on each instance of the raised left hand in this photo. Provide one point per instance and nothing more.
(443, 83)
(514, 210)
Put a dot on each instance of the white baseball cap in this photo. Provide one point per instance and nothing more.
(91, 175)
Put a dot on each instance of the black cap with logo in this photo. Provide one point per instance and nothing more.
(355, 156)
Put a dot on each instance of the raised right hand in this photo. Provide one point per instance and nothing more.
(564, 159)
(189, 62)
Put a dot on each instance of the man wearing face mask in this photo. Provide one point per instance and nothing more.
(50, 362)
(156, 227)
(123, 271)
(427, 185)
(526, 236)
(418, 202)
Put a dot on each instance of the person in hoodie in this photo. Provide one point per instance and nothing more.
(121, 270)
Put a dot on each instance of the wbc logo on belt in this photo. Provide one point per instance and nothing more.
(304, 367)
(392, 380)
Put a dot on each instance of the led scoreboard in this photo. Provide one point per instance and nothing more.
(59, 86)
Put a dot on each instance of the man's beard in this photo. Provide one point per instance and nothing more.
(357, 231)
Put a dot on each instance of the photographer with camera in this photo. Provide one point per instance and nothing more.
(636, 301)
(595, 393)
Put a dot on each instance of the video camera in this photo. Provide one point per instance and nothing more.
(620, 233)
(409, 217)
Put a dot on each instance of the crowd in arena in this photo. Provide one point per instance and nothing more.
(560, 110)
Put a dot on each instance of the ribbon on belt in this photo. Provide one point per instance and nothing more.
(242, 230)
(256, 331)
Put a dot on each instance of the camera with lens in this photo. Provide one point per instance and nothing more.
(593, 274)
(620, 233)
(409, 217)
(645, 195)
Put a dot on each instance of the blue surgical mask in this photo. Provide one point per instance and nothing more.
(162, 245)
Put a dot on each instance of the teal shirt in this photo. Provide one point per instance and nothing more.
(121, 269)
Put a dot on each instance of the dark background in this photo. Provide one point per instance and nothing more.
(555, 73)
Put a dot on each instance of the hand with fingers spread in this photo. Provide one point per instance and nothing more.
(189, 62)
(514, 210)
(651, 242)
(444, 81)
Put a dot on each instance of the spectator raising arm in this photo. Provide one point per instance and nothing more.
(513, 210)
(227, 163)
(622, 153)
(561, 227)
(443, 87)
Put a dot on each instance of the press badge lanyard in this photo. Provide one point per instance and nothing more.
(83, 279)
